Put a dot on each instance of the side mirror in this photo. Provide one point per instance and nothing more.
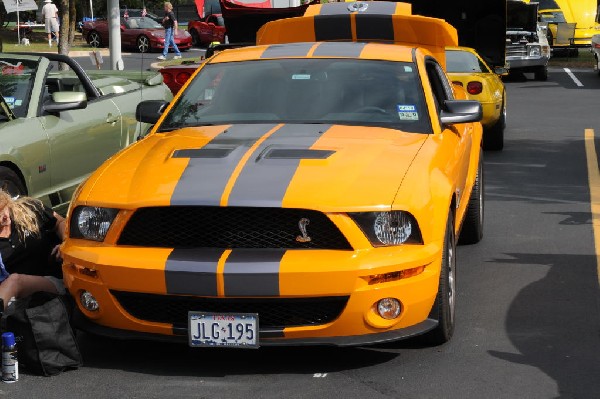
(461, 111)
(149, 111)
(66, 101)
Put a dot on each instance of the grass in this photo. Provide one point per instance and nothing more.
(584, 59)
(38, 40)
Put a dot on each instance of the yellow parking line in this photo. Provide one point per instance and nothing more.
(594, 182)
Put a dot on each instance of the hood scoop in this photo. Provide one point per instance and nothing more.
(295, 153)
(205, 152)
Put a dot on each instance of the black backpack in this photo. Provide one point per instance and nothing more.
(46, 343)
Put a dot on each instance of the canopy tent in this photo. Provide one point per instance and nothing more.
(17, 6)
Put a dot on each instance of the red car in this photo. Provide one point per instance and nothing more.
(142, 33)
(207, 30)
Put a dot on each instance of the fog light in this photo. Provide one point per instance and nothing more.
(88, 301)
(389, 308)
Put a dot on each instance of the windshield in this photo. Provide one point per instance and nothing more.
(328, 91)
(142, 23)
(16, 81)
(464, 61)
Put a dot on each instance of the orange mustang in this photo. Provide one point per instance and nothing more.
(306, 190)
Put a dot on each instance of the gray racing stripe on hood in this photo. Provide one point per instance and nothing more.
(328, 49)
(251, 272)
(204, 179)
(192, 271)
(264, 180)
(287, 50)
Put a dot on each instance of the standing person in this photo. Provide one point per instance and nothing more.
(170, 24)
(30, 235)
(50, 15)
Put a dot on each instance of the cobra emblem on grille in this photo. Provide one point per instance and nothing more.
(302, 226)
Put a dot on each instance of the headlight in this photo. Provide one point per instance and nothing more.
(388, 228)
(91, 223)
(535, 51)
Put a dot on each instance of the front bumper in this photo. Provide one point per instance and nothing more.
(526, 62)
(302, 274)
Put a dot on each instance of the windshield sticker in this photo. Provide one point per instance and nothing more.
(300, 76)
(407, 112)
(18, 103)
(9, 100)
(11, 69)
(407, 68)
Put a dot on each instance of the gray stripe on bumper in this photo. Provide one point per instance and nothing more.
(192, 271)
(251, 272)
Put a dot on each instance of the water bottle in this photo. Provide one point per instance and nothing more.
(10, 363)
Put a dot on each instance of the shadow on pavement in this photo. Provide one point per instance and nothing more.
(554, 327)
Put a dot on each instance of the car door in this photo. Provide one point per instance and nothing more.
(80, 140)
(457, 138)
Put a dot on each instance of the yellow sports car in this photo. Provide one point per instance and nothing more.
(467, 69)
(306, 190)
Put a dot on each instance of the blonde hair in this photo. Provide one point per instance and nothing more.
(22, 213)
(169, 5)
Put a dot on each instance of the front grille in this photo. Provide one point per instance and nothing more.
(230, 227)
(272, 312)
(516, 50)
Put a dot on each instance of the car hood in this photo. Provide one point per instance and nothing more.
(521, 16)
(325, 167)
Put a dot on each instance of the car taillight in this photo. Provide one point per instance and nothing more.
(474, 87)
(596, 45)
(182, 77)
(167, 78)
(456, 82)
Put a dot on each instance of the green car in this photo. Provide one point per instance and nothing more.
(56, 127)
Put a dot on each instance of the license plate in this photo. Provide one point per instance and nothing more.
(223, 329)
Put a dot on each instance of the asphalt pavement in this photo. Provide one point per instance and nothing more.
(528, 319)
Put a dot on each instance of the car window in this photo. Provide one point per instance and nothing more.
(440, 86)
(328, 91)
(16, 82)
(464, 61)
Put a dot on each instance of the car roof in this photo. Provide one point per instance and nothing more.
(355, 50)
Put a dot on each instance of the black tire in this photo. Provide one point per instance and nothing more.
(493, 138)
(143, 44)
(94, 39)
(541, 73)
(472, 228)
(11, 183)
(195, 38)
(444, 306)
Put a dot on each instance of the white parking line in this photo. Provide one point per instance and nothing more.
(572, 75)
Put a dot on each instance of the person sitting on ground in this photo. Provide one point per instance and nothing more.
(30, 238)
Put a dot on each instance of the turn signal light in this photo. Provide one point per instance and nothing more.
(456, 82)
(474, 87)
(596, 45)
(394, 276)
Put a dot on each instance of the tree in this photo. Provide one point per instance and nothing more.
(68, 19)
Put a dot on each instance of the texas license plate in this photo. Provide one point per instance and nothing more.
(223, 329)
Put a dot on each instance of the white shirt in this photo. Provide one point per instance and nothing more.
(49, 11)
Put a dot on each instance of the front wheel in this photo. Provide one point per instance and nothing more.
(541, 73)
(143, 44)
(472, 228)
(444, 306)
(11, 183)
(195, 38)
(493, 138)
